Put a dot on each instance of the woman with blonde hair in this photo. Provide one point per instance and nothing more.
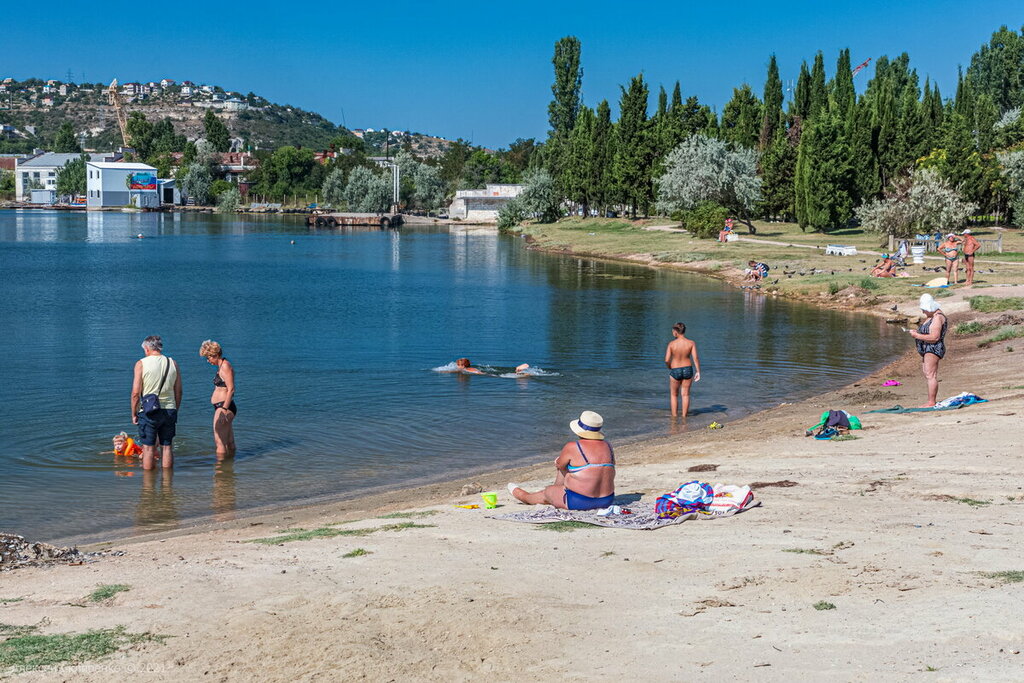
(223, 398)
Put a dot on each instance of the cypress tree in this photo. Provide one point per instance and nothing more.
(577, 180)
(660, 125)
(912, 131)
(741, 118)
(885, 119)
(772, 105)
(602, 168)
(823, 175)
(677, 97)
(986, 114)
(866, 183)
(819, 91)
(960, 164)
(801, 104)
(778, 174)
(843, 93)
(565, 103)
(632, 154)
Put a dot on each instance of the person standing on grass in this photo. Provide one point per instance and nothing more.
(683, 368)
(931, 344)
(156, 374)
(971, 245)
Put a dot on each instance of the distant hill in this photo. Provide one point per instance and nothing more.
(33, 111)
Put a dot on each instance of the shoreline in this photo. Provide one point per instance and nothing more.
(384, 497)
(878, 527)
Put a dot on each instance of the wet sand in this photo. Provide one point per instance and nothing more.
(899, 529)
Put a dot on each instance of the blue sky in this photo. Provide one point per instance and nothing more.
(482, 70)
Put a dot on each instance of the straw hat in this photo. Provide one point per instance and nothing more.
(588, 426)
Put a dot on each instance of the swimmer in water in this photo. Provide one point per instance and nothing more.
(125, 446)
(464, 365)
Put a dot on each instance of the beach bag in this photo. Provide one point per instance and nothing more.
(730, 499)
(693, 496)
(151, 402)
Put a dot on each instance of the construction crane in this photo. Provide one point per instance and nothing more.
(859, 67)
(114, 98)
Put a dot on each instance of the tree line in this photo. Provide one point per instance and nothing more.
(814, 157)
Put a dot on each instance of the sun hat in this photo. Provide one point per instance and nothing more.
(588, 426)
(928, 303)
(967, 231)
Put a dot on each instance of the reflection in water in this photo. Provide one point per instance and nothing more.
(224, 501)
(158, 507)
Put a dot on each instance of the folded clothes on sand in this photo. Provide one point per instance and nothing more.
(643, 517)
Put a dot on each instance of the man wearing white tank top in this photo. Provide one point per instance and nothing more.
(157, 374)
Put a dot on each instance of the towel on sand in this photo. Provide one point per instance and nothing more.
(951, 403)
(643, 518)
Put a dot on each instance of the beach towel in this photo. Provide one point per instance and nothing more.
(692, 496)
(952, 403)
(835, 419)
(643, 517)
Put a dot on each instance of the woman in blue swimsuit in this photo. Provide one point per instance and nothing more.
(586, 471)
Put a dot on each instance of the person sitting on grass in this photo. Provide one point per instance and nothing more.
(887, 268)
(756, 271)
(585, 471)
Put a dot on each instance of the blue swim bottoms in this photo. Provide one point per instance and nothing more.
(160, 423)
(682, 373)
(577, 501)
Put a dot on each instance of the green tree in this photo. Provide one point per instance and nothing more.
(196, 183)
(741, 118)
(778, 172)
(228, 200)
(823, 175)
(819, 89)
(801, 104)
(997, 69)
(71, 180)
(7, 184)
(705, 169)
(333, 189)
(1012, 168)
(633, 150)
(577, 181)
(602, 170)
(430, 187)
(368, 192)
(288, 172)
(66, 142)
(216, 132)
(140, 134)
(844, 97)
(540, 200)
(565, 103)
(771, 111)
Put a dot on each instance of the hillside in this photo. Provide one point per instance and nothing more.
(32, 111)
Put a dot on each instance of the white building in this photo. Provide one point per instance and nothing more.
(40, 171)
(121, 184)
(482, 206)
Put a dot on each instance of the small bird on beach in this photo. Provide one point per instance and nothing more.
(894, 308)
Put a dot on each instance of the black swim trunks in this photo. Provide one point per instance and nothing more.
(682, 373)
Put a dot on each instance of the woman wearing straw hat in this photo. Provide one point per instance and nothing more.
(931, 344)
(586, 471)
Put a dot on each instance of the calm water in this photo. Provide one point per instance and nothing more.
(334, 340)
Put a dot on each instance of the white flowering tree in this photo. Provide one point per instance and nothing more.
(703, 169)
(334, 188)
(922, 202)
(367, 191)
(196, 183)
(1013, 168)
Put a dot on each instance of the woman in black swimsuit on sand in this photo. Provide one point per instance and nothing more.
(931, 344)
(223, 398)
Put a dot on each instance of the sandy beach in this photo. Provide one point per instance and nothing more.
(904, 530)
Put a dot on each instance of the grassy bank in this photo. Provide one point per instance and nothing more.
(799, 266)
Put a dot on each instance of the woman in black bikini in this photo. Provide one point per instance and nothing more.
(931, 344)
(223, 398)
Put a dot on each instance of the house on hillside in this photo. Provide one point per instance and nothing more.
(482, 206)
(166, 82)
(121, 184)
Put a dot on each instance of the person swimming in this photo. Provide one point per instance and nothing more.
(463, 365)
(125, 446)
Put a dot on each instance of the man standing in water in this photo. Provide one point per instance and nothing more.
(684, 368)
(156, 374)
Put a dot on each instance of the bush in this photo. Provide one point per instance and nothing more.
(229, 200)
(869, 283)
(219, 187)
(972, 327)
(705, 219)
(833, 288)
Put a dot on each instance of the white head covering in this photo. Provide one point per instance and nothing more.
(967, 231)
(928, 303)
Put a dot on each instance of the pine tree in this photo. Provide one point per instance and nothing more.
(215, 132)
(771, 117)
(823, 175)
(632, 154)
(741, 118)
(565, 104)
